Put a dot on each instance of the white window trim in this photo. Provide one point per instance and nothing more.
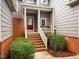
(41, 21)
(27, 1)
(43, 3)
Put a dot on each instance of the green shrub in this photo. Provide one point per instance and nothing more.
(21, 48)
(50, 35)
(56, 41)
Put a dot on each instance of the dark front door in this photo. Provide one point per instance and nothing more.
(30, 23)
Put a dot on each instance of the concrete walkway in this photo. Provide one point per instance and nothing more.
(46, 55)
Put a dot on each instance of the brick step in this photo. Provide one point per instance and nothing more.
(35, 38)
(40, 49)
(35, 33)
(39, 46)
(38, 43)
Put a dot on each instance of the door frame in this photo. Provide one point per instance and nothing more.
(32, 21)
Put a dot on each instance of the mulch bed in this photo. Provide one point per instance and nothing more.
(65, 53)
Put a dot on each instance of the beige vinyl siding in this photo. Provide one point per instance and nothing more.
(52, 21)
(6, 21)
(66, 18)
(0, 20)
(78, 23)
(19, 12)
(47, 16)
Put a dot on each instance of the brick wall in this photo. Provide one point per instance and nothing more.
(5, 47)
(18, 27)
(72, 44)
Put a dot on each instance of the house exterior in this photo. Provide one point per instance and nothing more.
(66, 20)
(6, 31)
(20, 17)
(35, 10)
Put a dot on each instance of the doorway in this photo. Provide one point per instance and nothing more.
(30, 24)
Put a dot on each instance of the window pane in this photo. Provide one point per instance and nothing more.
(30, 21)
(43, 22)
(29, 1)
(44, 1)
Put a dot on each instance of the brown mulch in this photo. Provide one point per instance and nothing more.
(65, 53)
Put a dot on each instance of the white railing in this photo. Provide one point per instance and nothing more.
(46, 28)
(44, 38)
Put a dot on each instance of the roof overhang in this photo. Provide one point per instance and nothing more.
(73, 3)
(11, 4)
(36, 7)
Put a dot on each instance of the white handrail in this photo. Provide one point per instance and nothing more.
(44, 38)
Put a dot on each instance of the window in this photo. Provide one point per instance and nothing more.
(44, 1)
(43, 21)
(29, 1)
(30, 21)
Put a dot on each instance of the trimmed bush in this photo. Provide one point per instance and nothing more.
(22, 48)
(57, 42)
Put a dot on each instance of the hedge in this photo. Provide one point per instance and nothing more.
(57, 41)
(21, 48)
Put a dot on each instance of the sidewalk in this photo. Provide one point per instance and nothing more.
(46, 55)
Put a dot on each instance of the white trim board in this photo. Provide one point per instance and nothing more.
(36, 7)
(3, 39)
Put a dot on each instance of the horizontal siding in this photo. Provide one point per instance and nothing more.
(78, 23)
(66, 18)
(6, 20)
(47, 16)
(19, 12)
(48, 20)
(0, 20)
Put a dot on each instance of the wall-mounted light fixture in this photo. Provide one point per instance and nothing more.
(55, 29)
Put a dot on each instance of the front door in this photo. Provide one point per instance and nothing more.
(30, 23)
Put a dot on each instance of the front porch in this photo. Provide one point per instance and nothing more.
(39, 17)
(35, 19)
(38, 21)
